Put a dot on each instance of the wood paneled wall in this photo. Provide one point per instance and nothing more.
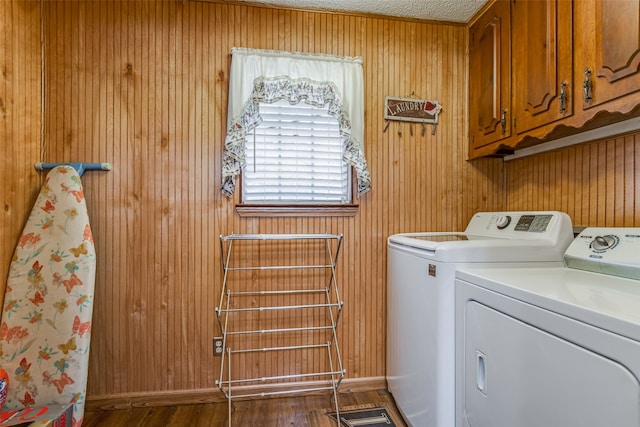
(143, 85)
(597, 184)
(20, 120)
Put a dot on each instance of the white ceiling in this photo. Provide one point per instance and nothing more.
(437, 10)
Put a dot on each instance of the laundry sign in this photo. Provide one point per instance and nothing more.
(411, 110)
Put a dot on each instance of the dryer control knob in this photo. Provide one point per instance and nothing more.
(503, 221)
(603, 242)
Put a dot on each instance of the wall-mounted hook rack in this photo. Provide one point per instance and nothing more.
(80, 167)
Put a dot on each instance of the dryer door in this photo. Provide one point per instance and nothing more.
(516, 374)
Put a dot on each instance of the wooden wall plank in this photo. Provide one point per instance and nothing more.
(9, 230)
(20, 121)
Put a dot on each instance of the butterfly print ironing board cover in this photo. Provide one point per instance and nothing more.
(46, 318)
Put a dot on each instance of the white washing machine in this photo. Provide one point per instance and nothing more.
(420, 295)
(553, 347)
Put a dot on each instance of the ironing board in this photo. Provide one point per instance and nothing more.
(45, 327)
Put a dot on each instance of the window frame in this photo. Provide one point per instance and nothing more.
(262, 75)
(267, 211)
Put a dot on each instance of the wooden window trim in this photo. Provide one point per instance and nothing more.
(265, 211)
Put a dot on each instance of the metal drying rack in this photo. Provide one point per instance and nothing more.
(236, 305)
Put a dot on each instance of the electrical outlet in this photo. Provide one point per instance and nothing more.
(217, 346)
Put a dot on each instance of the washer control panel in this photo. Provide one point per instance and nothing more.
(614, 251)
(518, 224)
(533, 223)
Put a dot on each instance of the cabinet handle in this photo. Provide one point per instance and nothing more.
(563, 97)
(587, 86)
(503, 121)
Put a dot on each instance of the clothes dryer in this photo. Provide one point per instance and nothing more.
(553, 347)
(420, 295)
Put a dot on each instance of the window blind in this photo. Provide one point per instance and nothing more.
(295, 156)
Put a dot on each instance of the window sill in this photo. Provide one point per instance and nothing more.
(247, 211)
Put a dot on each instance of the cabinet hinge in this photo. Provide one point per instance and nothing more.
(514, 124)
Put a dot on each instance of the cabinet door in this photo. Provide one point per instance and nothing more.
(490, 76)
(542, 61)
(608, 47)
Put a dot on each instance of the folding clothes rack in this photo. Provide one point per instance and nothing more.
(297, 315)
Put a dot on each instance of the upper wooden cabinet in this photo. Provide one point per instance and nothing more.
(575, 66)
(607, 50)
(490, 78)
(542, 63)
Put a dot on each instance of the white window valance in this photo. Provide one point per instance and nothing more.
(264, 76)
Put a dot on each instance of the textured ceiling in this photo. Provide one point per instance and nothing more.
(437, 10)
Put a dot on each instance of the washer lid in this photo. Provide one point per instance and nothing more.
(431, 241)
(497, 237)
(604, 301)
(470, 248)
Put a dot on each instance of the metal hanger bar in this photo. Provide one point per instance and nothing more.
(276, 393)
(277, 292)
(278, 267)
(281, 307)
(267, 331)
(290, 347)
(281, 377)
(280, 236)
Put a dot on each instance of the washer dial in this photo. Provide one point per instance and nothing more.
(503, 221)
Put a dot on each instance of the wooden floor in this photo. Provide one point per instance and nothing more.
(297, 411)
